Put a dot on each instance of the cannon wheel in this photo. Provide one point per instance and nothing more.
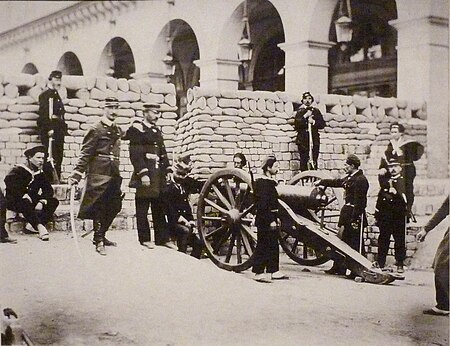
(293, 240)
(224, 219)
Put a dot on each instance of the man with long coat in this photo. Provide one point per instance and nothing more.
(149, 158)
(28, 191)
(352, 217)
(99, 159)
(51, 123)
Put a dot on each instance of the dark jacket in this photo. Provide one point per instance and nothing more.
(176, 198)
(356, 187)
(266, 196)
(149, 157)
(391, 201)
(21, 181)
(56, 122)
(99, 158)
(301, 126)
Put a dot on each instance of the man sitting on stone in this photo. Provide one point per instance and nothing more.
(29, 192)
(179, 212)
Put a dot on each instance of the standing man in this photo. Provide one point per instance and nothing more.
(440, 263)
(99, 158)
(149, 158)
(28, 191)
(405, 152)
(51, 122)
(352, 217)
(267, 254)
(390, 213)
(307, 122)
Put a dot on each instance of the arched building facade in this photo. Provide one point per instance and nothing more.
(399, 48)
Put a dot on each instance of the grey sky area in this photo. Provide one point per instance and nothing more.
(16, 13)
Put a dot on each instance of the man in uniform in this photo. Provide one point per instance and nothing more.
(149, 158)
(99, 158)
(28, 191)
(390, 213)
(51, 122)
(405, 152)
(307, 122)
(179, 212)
(352, 217)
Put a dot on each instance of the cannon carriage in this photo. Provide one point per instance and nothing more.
(308, 223)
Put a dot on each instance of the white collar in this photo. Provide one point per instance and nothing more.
(106, 121)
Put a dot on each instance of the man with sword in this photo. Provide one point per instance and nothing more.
(99, 159)
(52, 127)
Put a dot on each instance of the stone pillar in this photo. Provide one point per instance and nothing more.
(306, 66)
(219, 74)
(422, 75)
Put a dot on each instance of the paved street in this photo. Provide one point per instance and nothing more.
(136, 296)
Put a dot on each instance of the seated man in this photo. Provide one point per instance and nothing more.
(4, 236)
(29, 192)
(179, 212)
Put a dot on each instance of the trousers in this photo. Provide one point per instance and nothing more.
(266, 256)
(158, 216)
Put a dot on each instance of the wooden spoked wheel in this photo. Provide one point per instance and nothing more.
(301, 248)
(225, 216)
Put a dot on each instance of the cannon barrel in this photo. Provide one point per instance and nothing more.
(300, 198)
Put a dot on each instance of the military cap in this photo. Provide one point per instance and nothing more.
(353, 160)
(400, 127)
(38, 148)
(55, 74)
(393, 161)
(306, 94)
(268, 160)
(111, 102)
(182, 166)
(150, 106)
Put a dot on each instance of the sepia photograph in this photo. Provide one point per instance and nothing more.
(224, 172)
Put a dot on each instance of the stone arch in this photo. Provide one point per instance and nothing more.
(185, 50)
(30, 68)
(117, 59)
(69, 64)
(266, 33)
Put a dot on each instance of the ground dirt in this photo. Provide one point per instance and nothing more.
(137, 296)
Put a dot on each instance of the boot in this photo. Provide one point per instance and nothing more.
(43, 233)
(100, 248)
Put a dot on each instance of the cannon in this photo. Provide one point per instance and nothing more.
(308, 223)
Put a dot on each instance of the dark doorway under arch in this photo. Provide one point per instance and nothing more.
(69, 64)
(30, 68)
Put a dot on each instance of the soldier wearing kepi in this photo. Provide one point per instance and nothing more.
(29, 192)
(149, 158)
(390, 213)
(99, 158)
(308, 121)
(352, 218)
(51, 122)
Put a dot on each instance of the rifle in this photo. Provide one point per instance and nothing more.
(55, 178)
(311, 165)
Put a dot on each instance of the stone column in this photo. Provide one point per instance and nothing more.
(306, 66)
(219, 73)
(422, 74)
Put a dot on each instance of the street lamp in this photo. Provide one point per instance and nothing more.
(344, 29)
(245, 50)
(168, 61)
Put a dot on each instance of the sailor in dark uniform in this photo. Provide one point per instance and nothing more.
(51, 122)
(28, 191)
(406, 152)
(149, 158)
(390, 213)
(352, 218)
(99, 158)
